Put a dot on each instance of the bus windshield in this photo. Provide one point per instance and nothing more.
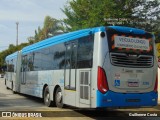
(131, 43)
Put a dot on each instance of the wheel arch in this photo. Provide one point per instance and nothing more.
(43, 90)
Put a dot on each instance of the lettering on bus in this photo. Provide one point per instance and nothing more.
(133, 43)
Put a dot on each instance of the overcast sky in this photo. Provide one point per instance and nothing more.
(29, 13)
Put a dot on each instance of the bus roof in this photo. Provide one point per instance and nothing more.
(61, 38)
(128, 29)
(11, 56)
(76, 34)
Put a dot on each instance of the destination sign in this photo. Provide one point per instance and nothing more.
(132, 43)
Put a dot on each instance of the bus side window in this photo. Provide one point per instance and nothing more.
(30, 62)
(24, 64)
(7, 66)
(74, 55)
(68, 55)
(85, 52)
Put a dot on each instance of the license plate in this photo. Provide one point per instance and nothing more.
(133, 84)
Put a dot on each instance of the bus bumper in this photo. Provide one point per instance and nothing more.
(113, 99)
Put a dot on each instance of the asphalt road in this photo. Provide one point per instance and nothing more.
(26, 106)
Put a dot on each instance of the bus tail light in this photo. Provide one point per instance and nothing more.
(102, 81)
(156, 84)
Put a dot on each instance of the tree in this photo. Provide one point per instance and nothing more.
(31, 39)
(11, 49)
(51, 27)
(91, 13)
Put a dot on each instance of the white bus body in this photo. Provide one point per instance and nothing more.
(98, 67)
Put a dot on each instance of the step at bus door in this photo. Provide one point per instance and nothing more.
(70, 74)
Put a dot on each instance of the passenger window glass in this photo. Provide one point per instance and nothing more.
(74, 55)
(85, 52)
(68, 55)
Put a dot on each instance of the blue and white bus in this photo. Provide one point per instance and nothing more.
(110, 66)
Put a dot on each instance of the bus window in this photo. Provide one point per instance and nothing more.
(85, 52)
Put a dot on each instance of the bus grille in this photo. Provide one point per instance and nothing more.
(122, 59)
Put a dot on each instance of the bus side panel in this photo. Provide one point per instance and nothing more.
(98, 59)
(8, 80)
(35, 81)
(29, 83)
(94, 70)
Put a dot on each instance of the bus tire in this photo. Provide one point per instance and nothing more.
(12, 86)
(47, 100)
(14, 92)
(6, 84)
(59, 98)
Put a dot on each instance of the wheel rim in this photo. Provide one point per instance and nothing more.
(47, 97)
(59, 97)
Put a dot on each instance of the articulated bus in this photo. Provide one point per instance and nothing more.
(111, 66)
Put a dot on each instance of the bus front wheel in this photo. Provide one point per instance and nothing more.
(47, 100)
(59, 98)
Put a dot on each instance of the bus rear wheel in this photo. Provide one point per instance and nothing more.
(59, 98)
(47, 100)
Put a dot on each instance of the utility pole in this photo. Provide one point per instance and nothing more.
(17, 34)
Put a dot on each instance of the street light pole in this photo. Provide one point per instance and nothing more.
(17, 34)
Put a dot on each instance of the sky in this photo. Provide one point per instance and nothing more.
(30, 14)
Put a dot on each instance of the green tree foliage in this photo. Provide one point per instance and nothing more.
(91, 13)
(11, 49)
(51, 27)
(157, 30)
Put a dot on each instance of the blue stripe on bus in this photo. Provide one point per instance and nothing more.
(113, 99)
(128, 29)
(61, 38)
(11, 56)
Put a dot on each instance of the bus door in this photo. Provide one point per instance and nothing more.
(70, 73)
(24, 69)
